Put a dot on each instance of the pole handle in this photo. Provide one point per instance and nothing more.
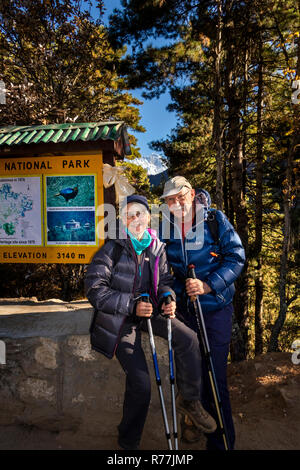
(191, 271)
(145, 298)
(191, 274)
(167, 300)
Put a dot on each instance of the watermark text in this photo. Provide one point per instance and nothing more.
(2, 352)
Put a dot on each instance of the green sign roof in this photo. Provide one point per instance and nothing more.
(62, 133)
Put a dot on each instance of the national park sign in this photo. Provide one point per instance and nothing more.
(51, 189)
(48, 208)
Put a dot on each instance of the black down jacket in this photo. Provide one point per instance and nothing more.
(110, 288)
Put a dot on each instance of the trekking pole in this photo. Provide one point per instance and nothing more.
(145, 298)
(207, 354)
(167, 301)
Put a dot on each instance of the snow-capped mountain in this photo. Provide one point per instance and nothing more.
(153, 163)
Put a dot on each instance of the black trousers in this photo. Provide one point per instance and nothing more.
(218, 327)
(138, 385)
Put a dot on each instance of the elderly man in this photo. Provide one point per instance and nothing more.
(190, 240)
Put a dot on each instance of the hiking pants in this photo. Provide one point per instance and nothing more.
(218, 326)
(138, 385)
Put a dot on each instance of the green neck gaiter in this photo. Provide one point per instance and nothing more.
(140, 245)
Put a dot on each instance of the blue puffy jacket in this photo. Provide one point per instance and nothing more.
(198, 248)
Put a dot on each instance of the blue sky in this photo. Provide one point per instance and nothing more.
(157, 121)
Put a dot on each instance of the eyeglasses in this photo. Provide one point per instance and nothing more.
(179, 198)
(138, 214)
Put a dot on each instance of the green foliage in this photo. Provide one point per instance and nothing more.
(57, 64)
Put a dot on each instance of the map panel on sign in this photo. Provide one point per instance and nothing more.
(21, 212)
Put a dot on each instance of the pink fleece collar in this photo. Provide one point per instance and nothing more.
(152, 233)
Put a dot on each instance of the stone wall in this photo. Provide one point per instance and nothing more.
(52, 380)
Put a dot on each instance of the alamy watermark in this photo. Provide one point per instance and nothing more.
(296, 93)
(161, 220)
(2, 352)
(296, 355)
(2, 92)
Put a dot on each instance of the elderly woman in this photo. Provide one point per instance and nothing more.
(119, 273)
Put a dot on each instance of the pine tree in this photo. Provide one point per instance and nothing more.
(58, 65)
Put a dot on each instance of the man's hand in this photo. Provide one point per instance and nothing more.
(196, 287)
(169, 309)
(144, 309)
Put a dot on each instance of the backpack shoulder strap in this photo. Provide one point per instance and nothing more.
(116, 254)
(213, 226)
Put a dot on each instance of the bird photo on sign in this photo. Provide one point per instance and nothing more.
(70, 214)
(70, 191)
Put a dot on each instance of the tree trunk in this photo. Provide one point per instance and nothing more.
(258, 212)
(277, 327)
(217, 112)
(241, 297)
(241, 225)
(239, 205)
(225, 188)
(258, 310)
(230, 198)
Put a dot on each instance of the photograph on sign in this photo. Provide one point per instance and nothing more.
(70, 191)
(76, 227)
(20, 211)
(70, 210)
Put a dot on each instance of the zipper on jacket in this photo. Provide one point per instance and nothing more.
(136, 267)
(155, 283)
(184, 254)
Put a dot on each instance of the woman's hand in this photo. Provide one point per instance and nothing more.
(144, 309)
(169, 309)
